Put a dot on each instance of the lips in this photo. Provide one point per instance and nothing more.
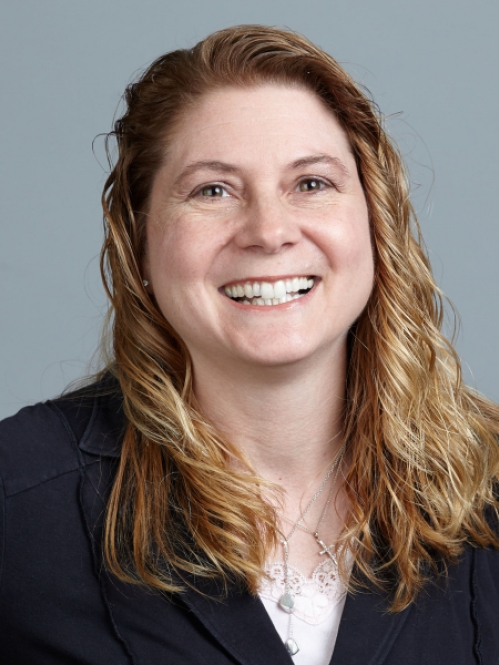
(265, 293)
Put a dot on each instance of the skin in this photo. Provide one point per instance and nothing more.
(257, 184)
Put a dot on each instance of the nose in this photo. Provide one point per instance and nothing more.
(268, 226)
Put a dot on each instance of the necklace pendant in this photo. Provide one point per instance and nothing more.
(287, 602)
(326, 549)
(291, 646)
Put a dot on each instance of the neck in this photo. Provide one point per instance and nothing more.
(287, 420)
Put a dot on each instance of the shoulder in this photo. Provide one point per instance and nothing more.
(44, 441)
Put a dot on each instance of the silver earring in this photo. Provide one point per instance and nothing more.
(145, 282)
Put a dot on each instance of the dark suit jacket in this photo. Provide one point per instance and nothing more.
(58, 604)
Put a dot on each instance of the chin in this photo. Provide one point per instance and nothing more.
(276, 357)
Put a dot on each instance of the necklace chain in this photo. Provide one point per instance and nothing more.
(286, 601)
(298, 523)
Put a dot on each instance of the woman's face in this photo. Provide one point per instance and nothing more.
(258, 241)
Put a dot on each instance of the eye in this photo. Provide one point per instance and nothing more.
(311, 185)
(212, 191)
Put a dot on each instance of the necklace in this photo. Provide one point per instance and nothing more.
(286, 601)
(325, 548)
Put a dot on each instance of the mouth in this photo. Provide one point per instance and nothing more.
(267, 293)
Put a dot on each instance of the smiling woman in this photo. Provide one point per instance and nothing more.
(280, 461)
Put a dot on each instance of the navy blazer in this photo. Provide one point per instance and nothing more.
(59, 605)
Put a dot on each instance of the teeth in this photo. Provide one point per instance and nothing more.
(266, 293)
(272, 301)
(267, 290)
(279, 289)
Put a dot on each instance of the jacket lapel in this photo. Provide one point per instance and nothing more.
(366, 634)
(367, 629)
(239, 622)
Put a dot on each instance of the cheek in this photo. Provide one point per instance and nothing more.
(358, 244)
(349, 241)
(361, 259)
(353, 259)
(172, 270)
(359, 251)
(172, 253)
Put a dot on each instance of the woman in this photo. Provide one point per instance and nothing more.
(282, 420)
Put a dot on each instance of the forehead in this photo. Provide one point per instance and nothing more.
(278, 121)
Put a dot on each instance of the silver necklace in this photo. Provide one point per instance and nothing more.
(287, 601)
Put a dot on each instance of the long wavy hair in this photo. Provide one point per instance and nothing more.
(423, 446)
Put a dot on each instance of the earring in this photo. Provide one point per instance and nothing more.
(145, 282)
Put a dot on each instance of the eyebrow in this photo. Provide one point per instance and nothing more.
(223, 167)
(321, 159)
(215, 166)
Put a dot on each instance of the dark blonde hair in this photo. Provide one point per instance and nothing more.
(423, 446)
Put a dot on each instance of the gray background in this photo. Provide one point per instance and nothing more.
(432, 65)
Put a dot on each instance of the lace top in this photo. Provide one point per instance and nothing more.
(315, 596)
(319, 601)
